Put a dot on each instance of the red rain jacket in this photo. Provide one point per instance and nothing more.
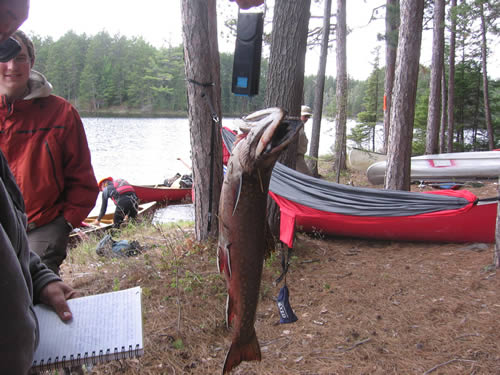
(44, 142)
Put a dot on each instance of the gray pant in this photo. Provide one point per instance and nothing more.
(50, 242)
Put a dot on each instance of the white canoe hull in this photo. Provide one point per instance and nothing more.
(445, 167)
(359, 159)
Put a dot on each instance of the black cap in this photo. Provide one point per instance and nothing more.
(9, 49)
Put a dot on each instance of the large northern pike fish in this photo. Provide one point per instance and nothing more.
(242, 223)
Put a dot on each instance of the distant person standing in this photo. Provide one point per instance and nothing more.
(245, 4)
(124, 197)
(300, 163)
(44, 142)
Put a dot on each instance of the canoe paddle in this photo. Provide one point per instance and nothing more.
(185, 164)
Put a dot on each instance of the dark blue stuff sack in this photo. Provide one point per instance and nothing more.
(285, 310)
(123, 248)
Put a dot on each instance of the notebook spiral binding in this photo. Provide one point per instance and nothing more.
(78, 360)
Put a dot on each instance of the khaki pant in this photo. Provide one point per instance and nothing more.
(50, 242)
(301, 166)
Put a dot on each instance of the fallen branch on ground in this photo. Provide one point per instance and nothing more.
(447, 363)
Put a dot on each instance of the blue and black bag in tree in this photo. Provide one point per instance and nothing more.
(286, 313)
(247, 53)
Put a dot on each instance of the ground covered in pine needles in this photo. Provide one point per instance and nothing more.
(363, 307)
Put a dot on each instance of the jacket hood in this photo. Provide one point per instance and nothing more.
(39, 86)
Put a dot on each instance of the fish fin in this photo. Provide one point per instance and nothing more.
(224, 259)
(220, 265)
(238, 353)
(229, 311)
(260, 180)
(238, 194)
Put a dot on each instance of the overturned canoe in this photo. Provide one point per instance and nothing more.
(359, 159)
(456, 166)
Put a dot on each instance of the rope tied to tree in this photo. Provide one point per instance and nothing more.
(215, 122)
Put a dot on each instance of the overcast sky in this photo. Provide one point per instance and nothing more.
(159, 22)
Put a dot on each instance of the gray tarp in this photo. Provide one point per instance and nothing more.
(348, 200)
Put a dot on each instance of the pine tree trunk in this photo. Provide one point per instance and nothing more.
(444, 102)
(319, 91)
(496, 257)
(201, 66)
(433, 116)
(285, 80)
(391, 44)
(375, 103)
(451, 78)
(486, 96)
(341, 93)
(405, 92)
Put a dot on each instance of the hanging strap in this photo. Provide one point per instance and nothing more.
(285, 263)
(215, 121)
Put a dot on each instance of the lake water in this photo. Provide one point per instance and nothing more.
(142, 151)
(145, 151)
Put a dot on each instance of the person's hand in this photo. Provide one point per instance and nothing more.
(55, 295)
(246, 4)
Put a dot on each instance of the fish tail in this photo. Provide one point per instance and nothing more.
(238, 353)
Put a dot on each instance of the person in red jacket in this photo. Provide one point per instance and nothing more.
(24, 278)
(44, 142)
(124, 197)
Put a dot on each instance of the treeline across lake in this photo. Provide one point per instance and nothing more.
(105, 74)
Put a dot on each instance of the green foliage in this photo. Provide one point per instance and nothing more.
(495, 109)
(469, 113)
(421, 110)
(178, 344)
(360, 133)
(114, 73)
(420, 124)
(102, 72)
(116, 284)
(354, 98)
(364, 131)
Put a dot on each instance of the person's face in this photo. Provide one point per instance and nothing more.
(14, 74)
(305, 118)
(12, 15)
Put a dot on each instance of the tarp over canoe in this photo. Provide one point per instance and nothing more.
(317, 205)
(314, 205)
(349, 200)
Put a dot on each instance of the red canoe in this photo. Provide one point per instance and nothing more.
(475, 223)
(156, 193)
(316, 206)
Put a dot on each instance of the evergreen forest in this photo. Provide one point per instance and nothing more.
(106, 75)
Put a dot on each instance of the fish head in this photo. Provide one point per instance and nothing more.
(265, 134)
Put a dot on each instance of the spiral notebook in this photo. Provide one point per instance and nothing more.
(104, 327)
